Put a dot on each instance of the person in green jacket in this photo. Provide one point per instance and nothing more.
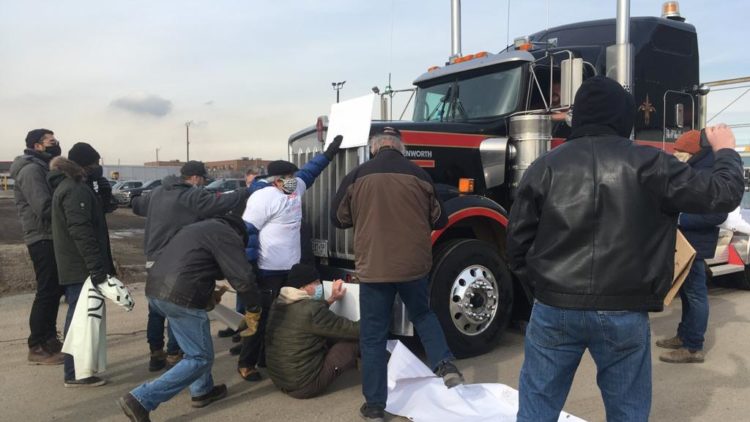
(79, 233)
(307, 345)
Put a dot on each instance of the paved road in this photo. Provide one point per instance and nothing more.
(714, 391)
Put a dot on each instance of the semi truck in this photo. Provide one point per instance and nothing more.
(479, 121)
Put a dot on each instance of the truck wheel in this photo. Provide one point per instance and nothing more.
(472, 295)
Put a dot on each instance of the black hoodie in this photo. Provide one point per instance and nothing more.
(593, 225)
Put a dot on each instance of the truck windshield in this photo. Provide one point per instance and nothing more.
(482, 96)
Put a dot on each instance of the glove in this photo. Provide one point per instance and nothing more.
(98, 278)
(251, 319)
(334, 147)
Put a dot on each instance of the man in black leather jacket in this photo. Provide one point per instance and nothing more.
(592, 232)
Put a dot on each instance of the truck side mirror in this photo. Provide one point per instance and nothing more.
(571, 77)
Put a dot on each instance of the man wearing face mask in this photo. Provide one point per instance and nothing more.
(80, 234)
(274, 219)
(33, 199)
(308, 345)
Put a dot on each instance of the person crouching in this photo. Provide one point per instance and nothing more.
(303, 355)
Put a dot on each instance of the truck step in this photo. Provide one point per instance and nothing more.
(725, 269)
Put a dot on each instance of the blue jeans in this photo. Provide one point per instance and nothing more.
(619, 342)
(193, 332)
(694, 295)
(72, 292)
(376, 308)
(155, 332)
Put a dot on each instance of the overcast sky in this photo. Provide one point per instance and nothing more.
(127, 75)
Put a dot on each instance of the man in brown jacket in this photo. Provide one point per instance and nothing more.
(307, 345)
(393, 207)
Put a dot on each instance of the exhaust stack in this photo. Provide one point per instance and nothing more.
(620, 55)
(455, 30)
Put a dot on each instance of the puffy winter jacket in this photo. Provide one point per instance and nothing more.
(33, 195)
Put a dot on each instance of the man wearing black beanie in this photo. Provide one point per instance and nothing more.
(592, 231)
(33, 198)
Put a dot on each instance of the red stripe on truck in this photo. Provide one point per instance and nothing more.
(441, 139)
(466, 213)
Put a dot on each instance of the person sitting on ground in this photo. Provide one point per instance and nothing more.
(302, 355)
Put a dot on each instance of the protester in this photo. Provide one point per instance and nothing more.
(80, 235)
(702, 232)
(592, 232)
(274, 218)
(393, 207)
(305, 342)
(33, 198)
(180, 286)
(179, 201)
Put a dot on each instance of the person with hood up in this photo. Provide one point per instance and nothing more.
(80, 235)
(592, 232)
(33, 198)
(181, 286)
(179, 201)
(274, 221)
(702, 232)
(307, 345)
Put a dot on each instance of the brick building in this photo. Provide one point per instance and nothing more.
(235, 168)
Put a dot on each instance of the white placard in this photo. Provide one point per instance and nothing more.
(351, 119)
(226, 315)
(347, 306)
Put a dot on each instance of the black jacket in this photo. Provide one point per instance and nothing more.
(198, 255)
(176, 204)
(79, 228)
(594, 222)
(702, 230)
(33, 195)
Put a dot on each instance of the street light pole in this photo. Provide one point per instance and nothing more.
(337, 86)
(187, 138)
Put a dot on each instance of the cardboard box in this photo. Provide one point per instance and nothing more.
(684, 255)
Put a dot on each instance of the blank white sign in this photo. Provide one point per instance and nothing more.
(351, 119)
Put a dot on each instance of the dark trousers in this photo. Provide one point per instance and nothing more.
(155, 332)
(252, 347)
(72, 292)
(341, 357)
(43, 317)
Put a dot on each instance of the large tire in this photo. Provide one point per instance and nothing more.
(471, 292)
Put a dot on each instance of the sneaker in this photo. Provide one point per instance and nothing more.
(85, 382)
(217, 393)
(250, 374)
(372, 413)
(173, 359)
(450, 374)
(38, 355)
(683, 355)
(235, 350)
(227, 332)
(158, 361)
(133, 408)
(670, 343)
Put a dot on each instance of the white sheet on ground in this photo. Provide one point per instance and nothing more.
(416, 393)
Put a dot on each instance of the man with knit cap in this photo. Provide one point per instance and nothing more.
(592, 231)
(80, 234)
(702, 231)
(307, 345)
(33, 198)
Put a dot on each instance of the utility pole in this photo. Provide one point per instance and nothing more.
(187, 138)
(337, 86)
(157, 157)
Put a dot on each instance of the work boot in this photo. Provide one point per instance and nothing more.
(38, 355)
(133, 408)
(683, 355)
(236, 338)
(173, 359)
(53, 345)
(217, 393)
(158, 360)
(670, 343)
(450, 374)
(372, 413)
(227, 332)
(85, 382)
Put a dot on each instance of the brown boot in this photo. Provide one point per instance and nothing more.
(670, 343)
(38, 355)
(53, 345)
(683, 355)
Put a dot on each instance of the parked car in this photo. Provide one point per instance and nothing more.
(125, 196)
(126, 184)
(225, 185)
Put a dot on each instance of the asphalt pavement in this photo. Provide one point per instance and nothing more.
(713, 391)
